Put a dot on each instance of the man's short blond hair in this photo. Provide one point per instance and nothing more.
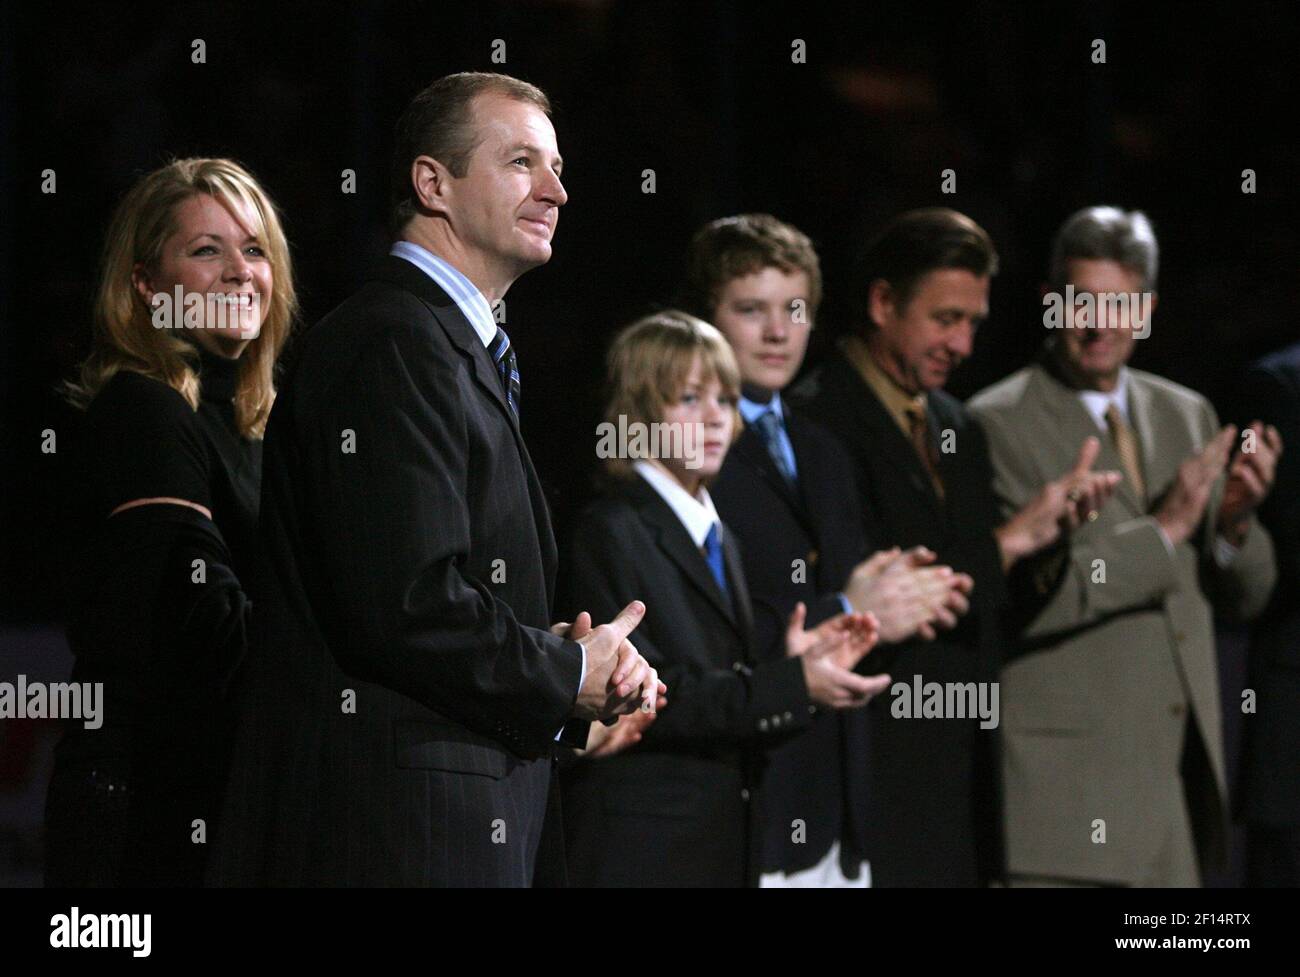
(439, 122)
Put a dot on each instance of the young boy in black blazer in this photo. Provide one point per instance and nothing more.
(677, 808)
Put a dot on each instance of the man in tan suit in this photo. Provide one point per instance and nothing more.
(1112, 750)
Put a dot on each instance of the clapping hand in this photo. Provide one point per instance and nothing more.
(829, 652)
(1250, 479)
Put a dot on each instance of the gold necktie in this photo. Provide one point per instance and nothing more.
(1127, 447)
(920, 431)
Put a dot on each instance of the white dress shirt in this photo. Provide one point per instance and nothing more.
(1097, 402)
(696, 512)
(471, 302)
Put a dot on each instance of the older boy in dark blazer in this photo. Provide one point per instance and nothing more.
(790, 496)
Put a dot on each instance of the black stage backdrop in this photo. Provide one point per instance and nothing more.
(706, 94)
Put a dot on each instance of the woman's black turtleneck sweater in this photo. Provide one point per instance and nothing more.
(158, 616)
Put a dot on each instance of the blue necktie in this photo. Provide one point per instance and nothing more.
(769, 429)
(503, 354)
(713, 553)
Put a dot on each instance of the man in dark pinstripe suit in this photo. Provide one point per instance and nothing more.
(409, 693)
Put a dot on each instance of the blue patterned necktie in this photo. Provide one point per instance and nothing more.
(713, 554)
(503, 354)
(769, 429)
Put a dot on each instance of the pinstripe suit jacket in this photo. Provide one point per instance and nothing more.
(402, 706)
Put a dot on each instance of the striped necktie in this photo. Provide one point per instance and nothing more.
(503, 354)
(768, 426)
(919, 429)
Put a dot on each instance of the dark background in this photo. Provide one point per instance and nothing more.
(706, 95)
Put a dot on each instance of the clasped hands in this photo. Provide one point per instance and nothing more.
(621, 688)
(907, 594)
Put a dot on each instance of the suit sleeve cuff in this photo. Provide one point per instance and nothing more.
(781, 702)
(582, 680)
(1164, 538)
(1224, 552)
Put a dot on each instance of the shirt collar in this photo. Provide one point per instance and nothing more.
(751, 410)
(696, 513)
(471, 302)
(897, 401)
(1098, 402)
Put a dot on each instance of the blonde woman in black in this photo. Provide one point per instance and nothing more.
(195, 303)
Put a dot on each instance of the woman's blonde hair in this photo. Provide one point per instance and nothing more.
(124, 336)
(648, 365)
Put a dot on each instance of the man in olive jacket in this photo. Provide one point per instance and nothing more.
(1113, 767)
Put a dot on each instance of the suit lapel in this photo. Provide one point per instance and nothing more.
(884, 439)
(671, 537)
(813, 482)
(751, 450)
(401, 272)
(542, 520)
(1158, 468)
(446, 312)
(463, 336)
(739, 586)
